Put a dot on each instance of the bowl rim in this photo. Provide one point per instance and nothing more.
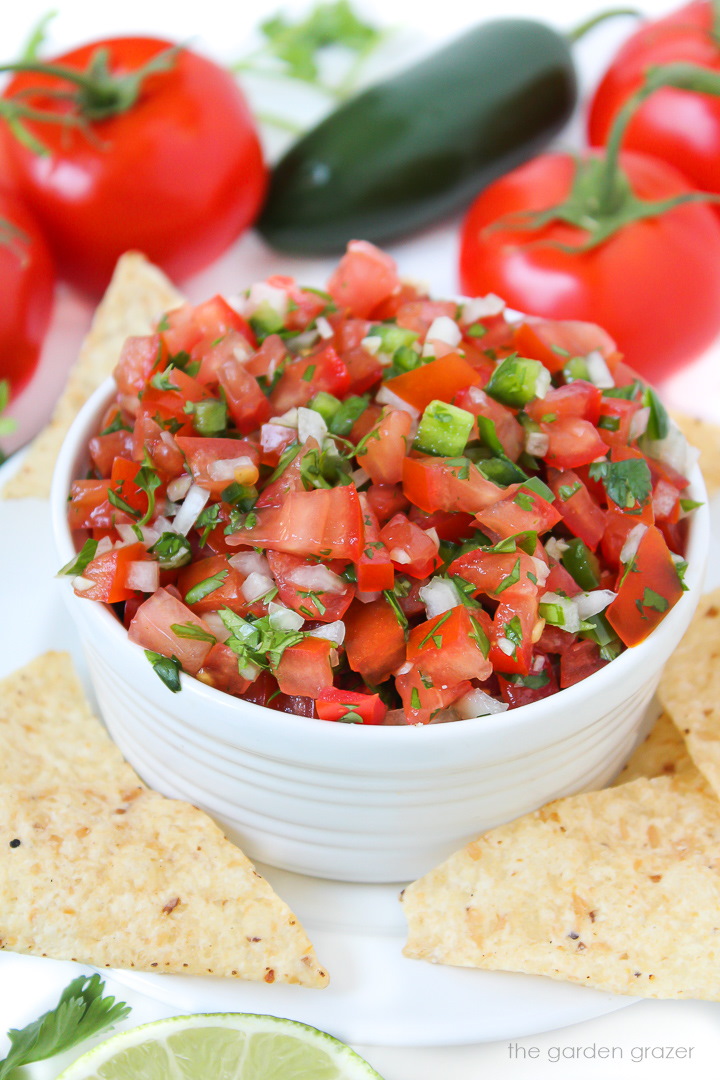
(391, 736)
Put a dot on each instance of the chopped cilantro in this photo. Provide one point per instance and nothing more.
(512, 578)
(167, 668)
(193, 631)
(566, 491)
(83, 558)
(204, 588)
(627, 483)
(513, 631)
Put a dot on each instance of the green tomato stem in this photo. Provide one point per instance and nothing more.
(585, 27)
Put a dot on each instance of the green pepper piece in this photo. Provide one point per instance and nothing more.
(515, 381)
(582, 564)
(444, 429)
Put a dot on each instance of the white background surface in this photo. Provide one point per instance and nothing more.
(27, 987)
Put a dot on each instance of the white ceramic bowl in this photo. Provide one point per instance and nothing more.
(344, 801)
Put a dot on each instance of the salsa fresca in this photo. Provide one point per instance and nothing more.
(373, 507)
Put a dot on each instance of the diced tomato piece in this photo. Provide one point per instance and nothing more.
(646, 592)
(535, 338)
(246, 402)
(220, 670)
(122, 483)
(578, 398)
(450, 648)
(374, 568)
(436, 483)
(521, 510)
(229, 592)
(105, 448)
(497, 574)
(310, 588)
(364, 369)
(268, 357)
(140, 357)
(580, 512)
(325, 522)
(109, 572)
(508, 430)
(665, 501)
(517, 694)
(573, 442)
(419, 315)
(305, 668)
(615, 422)
(202, 454)
(160, 446)
(89, 508)
(560, 580)
(410, 549)
(514, 626)
(334, 703)
(384, 452)
(421, 702)
(374, 640)
(455, 527)
(364, 279)
(274, 439)
(152, 629)
(232, 347)
(440, 380)
(264, 691)
(305, 304)
(302, 379)
(387, 500)
(290, 478)
(618, 525)
(194, 329)
(578, 661)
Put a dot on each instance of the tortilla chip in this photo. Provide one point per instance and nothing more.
(616, 889)
(663, 753)
(136, 297)
(97, 868)
(704, 435)
(690, 688)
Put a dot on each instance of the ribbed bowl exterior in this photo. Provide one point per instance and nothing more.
(351, 803)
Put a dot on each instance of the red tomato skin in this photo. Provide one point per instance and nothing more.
(151, 624)
(27, 280)
(364, 278)
(183, 166)
(634, 271)
(374, 640)
(630, 614)
(109, 574)
(304, 669)
(333, 703)
(680, 127)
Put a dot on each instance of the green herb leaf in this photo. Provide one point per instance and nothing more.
(167, 668)
(81, 560)
(81, 1013)
(513, 631)
(192, 631)
(512, 578)
(397, 610)
(172, 551)
(627, 483)
(204, 588)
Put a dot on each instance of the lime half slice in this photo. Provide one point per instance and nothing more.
(221, 1046)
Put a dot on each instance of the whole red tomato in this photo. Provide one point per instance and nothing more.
(178, 174)
(26, 286)
(654, 285)
(680, 126)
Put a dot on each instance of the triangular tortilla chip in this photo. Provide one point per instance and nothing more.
(135, 299)
(705, 436)
(690, 688)
(616, 889)
(663, 753)
(96, 867)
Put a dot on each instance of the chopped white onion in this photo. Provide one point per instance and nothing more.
(639, 423)
(372, 344)
(82, 584)
(477, 703)
(167, 438)
(249, 671)
(324, 328)
(598, 372)
(632, 543)
(249, 562)
(674, 450)
(225, 468)
(664, 499)
(256, 585)
(556, 548)
(193, 505)
(542, 382)
(162, 524)
(317, 579)
(537, 443)
(541, 571)
(263, 294)
(288, 419)
(506, 646)
(304, 341)
(591, 603)
(216, 626)
(387, 397)
(367, 597)
(106, 543)
(129, 536)
(439, 596)
(570, 613)
(311, 425)
(242, 351)
(359, 477)
(178, 488)
(481, 307)
(283, 618)
(403, 669)
(399, 555)
(433, 534)
(332, 631)
(443, 328)
(143, 576)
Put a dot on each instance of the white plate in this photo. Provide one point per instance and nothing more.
(376, 996)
